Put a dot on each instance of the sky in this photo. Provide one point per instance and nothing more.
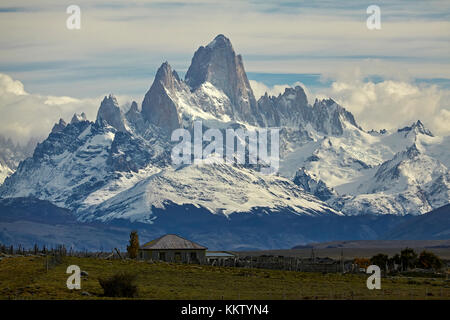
(388, 78)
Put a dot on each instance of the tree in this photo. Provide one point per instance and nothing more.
(379, 260)
(362, 262)
(428, 260)
(408, 258)
(133, 247)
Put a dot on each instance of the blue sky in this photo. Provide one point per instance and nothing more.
(320, 44)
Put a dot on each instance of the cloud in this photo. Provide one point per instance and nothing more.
(260, 89)
(272, 36)
(391, 104)
(10, 86)
(442, 120)
(26, 115)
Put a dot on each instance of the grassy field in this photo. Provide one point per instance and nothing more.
(27, 278)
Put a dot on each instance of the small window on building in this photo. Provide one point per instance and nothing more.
(177, 256)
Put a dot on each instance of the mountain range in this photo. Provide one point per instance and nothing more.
(118, 170)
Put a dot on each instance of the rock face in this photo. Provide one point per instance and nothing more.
(218, 64)
(158, 107)
(288, 109)
(78, 118)
(135, 119)
(416, 127)
(58, 127)
(291, 109)
(110, 113)
(311, 184)
(328, 117)
(11, 154)
(128, 153)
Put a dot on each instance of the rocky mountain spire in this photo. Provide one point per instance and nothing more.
(158, 108)
(134, 118)
(329, 117)
(133, 108)
(416, 127)
(78, 117)
(289, 109)
(312, 184)
(218, 64)
(110, 113)
(58, 127)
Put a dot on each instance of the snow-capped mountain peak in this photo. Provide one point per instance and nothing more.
(417, 128)
(218, 64)
(120, 165)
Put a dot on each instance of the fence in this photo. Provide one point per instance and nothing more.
(283, 263)
(58, 251)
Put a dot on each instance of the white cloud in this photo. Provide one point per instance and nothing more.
(302, 37)
(442, 121)
(390, 104)
(10, 86)
(259, 89)
(26, 115)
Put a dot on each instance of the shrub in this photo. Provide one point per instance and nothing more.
(119, 285)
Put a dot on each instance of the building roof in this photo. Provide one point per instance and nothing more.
(171, 242)
(219, 254)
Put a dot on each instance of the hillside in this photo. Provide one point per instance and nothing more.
(432, 225)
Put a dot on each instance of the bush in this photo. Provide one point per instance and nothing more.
(119, 285)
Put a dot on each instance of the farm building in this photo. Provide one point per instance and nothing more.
(173, 248)
(219, 257)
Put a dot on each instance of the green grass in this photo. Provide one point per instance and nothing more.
(27, 278)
